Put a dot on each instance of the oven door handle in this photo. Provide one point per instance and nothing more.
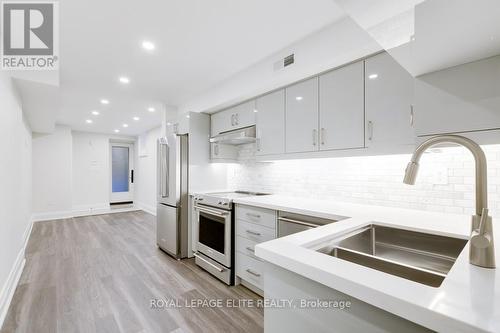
(208, 263)
(210, 211)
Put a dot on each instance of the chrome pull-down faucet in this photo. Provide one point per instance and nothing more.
(482, 246)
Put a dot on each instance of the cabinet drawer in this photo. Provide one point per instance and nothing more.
(246, 246)
(262, 216)
(250, 270)
(255, 232)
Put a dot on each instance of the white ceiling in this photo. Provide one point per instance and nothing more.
(430, 35)
(199, 44)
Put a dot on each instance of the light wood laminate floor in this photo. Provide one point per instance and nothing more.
(100, 273)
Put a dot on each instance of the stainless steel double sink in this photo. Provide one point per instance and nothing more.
(421, 257)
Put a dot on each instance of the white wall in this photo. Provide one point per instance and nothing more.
(71, 172)
(146, 187)
(15, 189)
(91, 171)
(52, 172)
(335, 45)
(445, 182)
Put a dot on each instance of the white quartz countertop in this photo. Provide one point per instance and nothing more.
(468, 300)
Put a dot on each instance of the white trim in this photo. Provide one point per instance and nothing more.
(147, 208)
(49, 216)
(9, 288)
(93, 209)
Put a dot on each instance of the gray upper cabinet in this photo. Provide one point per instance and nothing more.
(459, 99)
(389, 94)
(341, 108)
(220, 122)
(301, 123)
(238, 116)
(271, 123)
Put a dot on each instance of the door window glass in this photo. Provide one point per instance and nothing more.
(120, 169)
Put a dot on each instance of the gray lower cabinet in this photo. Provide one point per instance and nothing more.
(301, 313)
(254, 225)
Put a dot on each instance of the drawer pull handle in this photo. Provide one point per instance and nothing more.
(253, 215)
(250, 249)
(249, 271)
(253, 233)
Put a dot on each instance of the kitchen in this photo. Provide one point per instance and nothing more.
(309, 177)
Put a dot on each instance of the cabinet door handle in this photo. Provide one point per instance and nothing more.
(253, 273)
(253, 233)
(412, 115)
(236, 119)
(258, 144)
(370, 130)
(232, 120)
(250, 249)
(216, 150)
(315, 137)
(253, 215)
(322, 136)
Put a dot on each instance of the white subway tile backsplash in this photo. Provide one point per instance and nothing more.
(375, 180)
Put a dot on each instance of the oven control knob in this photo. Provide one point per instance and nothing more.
(220, 202)
(225, 203)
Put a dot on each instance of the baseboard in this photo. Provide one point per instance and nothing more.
(147, 208)
(80, 212)
(87, 210)
(57, 215)
(9, 288)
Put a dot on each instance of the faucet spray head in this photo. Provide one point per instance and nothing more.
(411, 173)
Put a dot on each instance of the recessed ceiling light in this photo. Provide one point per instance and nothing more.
(125, 125)
(117, 131)
(148, 45)
(299, 98)
(124, 80)
(151, 109)
(188, 116)
(373, 76)
(95, 113)
(89, 121)
(168, 124)
(104, 101)
(255, 110)
(136, 118)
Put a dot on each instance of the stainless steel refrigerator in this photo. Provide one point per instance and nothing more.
(172, 208)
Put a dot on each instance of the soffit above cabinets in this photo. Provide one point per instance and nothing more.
(429, 35)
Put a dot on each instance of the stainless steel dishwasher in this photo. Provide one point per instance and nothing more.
(291, 223)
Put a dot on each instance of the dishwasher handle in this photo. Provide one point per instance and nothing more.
(303, 223)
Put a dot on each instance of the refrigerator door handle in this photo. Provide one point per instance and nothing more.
(164, 175)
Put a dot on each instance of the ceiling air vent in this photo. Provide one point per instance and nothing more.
(282, 63)
(289, 60)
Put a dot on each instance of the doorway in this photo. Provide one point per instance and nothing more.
(122, 173)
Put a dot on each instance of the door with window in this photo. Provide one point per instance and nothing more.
(122, 173)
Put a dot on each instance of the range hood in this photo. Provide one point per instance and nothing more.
(236, 137)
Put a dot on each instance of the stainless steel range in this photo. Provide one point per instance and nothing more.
(214, 228)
